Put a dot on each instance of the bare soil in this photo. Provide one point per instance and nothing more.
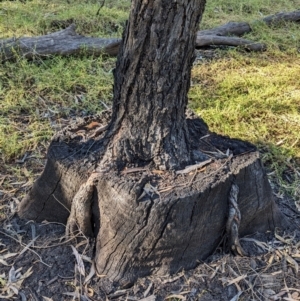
(268, 271)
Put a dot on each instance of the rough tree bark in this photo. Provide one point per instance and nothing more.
(151, 84)
(149, 181)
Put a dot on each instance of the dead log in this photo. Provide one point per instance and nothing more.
(214, 40)
(64, 42)
(229, 29)
(68, 42)
(282, 17)
(228, 35)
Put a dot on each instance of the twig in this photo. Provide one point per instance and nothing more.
(190, 168)
(193, 177)
(105, 105)
(216, 171)
(61, 203)
(250, 286)
(101, 5)
(187, 183)
(61, 243)
(98, 131)
(90, 147)
(132, 170)
(23, 245)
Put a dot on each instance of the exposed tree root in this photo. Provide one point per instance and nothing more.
(233, 222)
(80, 218)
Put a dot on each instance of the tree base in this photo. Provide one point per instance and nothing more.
(146, 220)
(165, 229)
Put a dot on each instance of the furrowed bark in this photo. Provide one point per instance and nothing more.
(152, 79)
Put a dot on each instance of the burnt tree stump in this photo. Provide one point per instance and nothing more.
(146, 220)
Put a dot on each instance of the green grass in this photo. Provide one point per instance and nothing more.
(253, 96)
(35, 17)
(31, 92)
(220, 12)
(256, 98)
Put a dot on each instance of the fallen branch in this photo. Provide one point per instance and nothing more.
(67, 42)
(190, 168)
(211, 40)
(282, 17)
(228, 29)
(222, 35)
(64, 42)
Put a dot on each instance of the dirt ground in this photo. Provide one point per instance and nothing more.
(43, 266)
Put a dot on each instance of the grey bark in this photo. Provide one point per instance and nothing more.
(277, 19)
(229, 29)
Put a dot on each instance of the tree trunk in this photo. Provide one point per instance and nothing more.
(151, 85)
(126, 181)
